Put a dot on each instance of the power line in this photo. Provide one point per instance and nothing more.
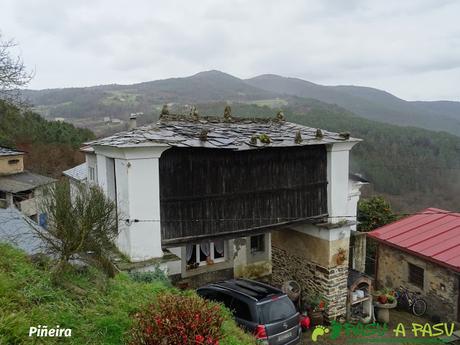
(278, 219)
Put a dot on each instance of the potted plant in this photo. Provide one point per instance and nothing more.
(317, 306)
(385, 300)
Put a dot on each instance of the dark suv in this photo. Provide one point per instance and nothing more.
(261, 309)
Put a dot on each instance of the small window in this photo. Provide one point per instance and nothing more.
(13, 161)
(2, 194)
(416, 275)
(205, 253)
(258, 243)
(219, 297)
(92, 174)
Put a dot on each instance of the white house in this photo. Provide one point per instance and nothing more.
(214, 195)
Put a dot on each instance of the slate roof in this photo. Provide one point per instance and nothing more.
(219, 133)
(78, 173)
(432, 234)
(5, 151)
(23, 181)
(16, 229)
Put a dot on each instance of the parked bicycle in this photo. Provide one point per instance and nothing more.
(411, 301)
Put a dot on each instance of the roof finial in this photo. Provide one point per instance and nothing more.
(345, 135)
(164, 111)
(194, 113)
(280, 116)
(319, 134)
(227, 113)
(298, 137)
(204, 135)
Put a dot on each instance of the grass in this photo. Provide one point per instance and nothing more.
(97, 309)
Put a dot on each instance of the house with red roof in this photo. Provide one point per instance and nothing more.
(422, 252)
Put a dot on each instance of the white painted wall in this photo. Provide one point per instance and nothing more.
(323, 233)
(354, 193)
(337, 176)
(137, 195)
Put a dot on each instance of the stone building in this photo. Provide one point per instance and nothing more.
(20, 188)
(422, 253)
(211, 198)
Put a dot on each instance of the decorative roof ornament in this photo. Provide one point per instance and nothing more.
(319, 134)
(164, 110)
(298, 137)
(204, 135)
(227, 113)
(345, 135)
(280, 116)
(194, 114)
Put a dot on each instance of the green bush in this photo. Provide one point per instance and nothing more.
(156, 275)
(181, 319)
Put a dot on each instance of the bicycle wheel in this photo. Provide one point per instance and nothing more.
(419, 307)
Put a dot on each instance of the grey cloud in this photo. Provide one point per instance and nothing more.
(393, 44)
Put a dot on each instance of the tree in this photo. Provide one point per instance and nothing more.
(81, 224)
(374, 213)
(13, 73)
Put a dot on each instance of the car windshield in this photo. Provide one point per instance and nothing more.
(277, 310)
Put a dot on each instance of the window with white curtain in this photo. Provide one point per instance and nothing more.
(204, 253)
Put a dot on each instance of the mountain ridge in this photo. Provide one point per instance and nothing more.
(215, 86)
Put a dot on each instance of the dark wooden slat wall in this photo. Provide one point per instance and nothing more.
(209, 191)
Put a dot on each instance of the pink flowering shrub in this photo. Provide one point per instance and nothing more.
(178, 319)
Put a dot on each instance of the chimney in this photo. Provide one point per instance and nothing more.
(132, 121)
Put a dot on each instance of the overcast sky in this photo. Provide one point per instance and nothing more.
(410, 48)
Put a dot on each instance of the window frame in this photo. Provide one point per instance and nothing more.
(257, 249)
(92, 174)
(416, 275)
(212, 255)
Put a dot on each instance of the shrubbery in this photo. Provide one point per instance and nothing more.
(156, 275)
(181, 319)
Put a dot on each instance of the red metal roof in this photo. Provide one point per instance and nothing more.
(432, 234)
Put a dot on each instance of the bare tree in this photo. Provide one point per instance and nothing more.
(81, 224)
(13, 73)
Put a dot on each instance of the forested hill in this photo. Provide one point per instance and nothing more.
(415, 168)
(120, 100)
(51, 146)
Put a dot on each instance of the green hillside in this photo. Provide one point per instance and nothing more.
(99, 310)
(213, 86)
(51, 146)
(369, 103)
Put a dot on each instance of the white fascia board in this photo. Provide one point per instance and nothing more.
(131, 152)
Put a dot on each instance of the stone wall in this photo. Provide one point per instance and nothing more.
(198, 280)
(440, 288)
(314, 279)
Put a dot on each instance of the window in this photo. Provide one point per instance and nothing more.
(258, 243)
(277, 309)
(241, 310)
(218, 296)
(2, 194)
(205, 253)
(13, 161)
(416, 275)
(92, 174)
